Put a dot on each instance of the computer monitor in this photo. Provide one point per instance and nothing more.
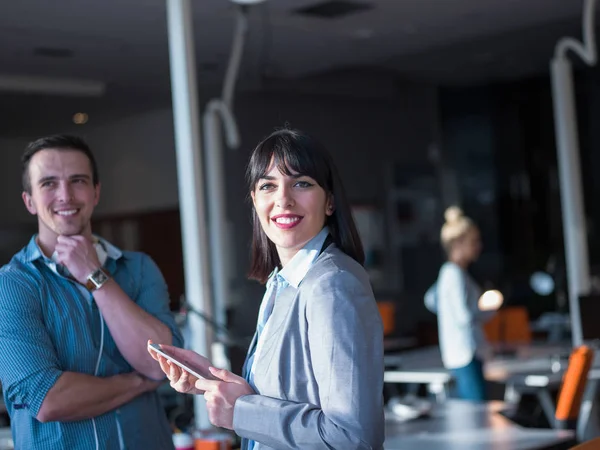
(589, 308)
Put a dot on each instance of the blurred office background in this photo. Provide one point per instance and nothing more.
(423, 104)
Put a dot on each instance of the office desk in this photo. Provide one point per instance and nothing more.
(456, 424)
(419, 366)
(543, 383)
(424, 365)
(528, 367)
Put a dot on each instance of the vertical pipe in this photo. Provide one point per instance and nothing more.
(218, 117)
(218, 223)
(190, 178)
(235, 58)
(571, 191)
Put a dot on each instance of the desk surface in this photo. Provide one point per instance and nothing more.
(545, 379)
(463, 425)
(523, 359)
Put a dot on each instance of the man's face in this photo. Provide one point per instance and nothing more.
(63, 195)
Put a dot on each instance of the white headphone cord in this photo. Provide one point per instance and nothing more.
(96, 372)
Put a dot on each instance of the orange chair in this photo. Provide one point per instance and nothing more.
(573, 387)
(492, 327)
(509, 325)
(516, 325)
(387, 310)
(594, 444)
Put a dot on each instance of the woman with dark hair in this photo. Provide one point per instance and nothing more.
(313, 377)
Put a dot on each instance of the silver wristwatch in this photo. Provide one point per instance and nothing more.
(96, 279)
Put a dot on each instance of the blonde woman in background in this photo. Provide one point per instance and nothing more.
(455, 297)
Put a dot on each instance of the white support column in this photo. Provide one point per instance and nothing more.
(190, 179)
(217, 114)
(571, 191)
(567, 146)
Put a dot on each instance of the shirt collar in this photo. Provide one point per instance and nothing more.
(111, 251)
(297, 268)
(33, 251)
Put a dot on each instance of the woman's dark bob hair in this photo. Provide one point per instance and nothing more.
(295, 152)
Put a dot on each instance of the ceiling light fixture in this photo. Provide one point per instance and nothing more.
(53, 86)
(80, 118)
(334, 9)
(53, 52)
(247, 2)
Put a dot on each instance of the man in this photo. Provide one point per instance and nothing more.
(75, 317)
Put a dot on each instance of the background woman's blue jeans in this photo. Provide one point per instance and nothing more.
(470, 384)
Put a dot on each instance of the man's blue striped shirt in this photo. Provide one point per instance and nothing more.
(49, 325)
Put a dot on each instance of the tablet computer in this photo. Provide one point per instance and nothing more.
(194, 369)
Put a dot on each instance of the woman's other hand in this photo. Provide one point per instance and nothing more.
(180, 380)
(222, 394)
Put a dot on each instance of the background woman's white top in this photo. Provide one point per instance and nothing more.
(459, 318)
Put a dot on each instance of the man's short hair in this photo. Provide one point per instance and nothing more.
(56, 142)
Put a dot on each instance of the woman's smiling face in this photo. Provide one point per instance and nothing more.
(292, 209)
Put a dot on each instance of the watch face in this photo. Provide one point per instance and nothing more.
(99, 277)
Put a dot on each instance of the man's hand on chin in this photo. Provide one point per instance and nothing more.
(78, 255)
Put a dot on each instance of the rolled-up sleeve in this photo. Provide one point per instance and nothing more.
(153, 297)
(29, 366)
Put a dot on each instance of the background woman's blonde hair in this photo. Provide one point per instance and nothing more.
(455, 227)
